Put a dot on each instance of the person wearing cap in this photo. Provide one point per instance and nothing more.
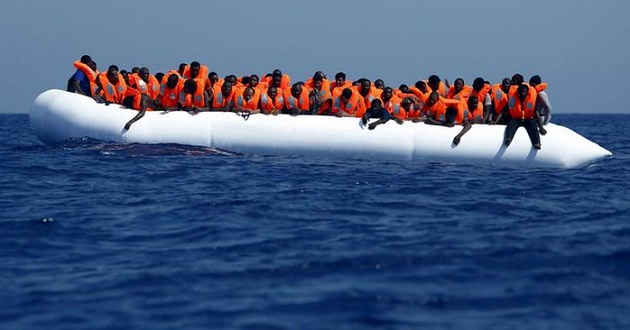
(543, 107)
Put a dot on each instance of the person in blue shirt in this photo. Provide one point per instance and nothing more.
(79, 82)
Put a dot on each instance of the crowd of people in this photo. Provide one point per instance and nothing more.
(193, 88)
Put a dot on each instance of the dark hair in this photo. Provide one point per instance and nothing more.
(420, 84)
(517, 79)
(112, 67)
(340, 75)
(86, 59)
(144, 69)
(535, 80)
(194, 64)
(190, 83)
(347, 93)
(434, 79)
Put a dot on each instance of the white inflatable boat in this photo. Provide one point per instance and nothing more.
(57, 115)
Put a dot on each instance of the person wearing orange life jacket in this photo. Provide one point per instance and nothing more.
(322, 77)
(340, 83)
(110, 86)
(197, 99)
(450, 113)
(222, 97)
(213, 79)
(272, 101)
(296, 100)
(379, 84)
(368, 92)
(279, 79)
(320, 97)
(473, 110)
(83, 80)
(391, 103)
(409, 110)
(348, 103)
(376, 110)
(459, 90)
(146, 83)
(522, 108)
(247, 100)
(169, 92)
(435, 109)
(159, 76)
(134, 99)
(543, 107)
(435, 84)
(499, 96)
(481, 89)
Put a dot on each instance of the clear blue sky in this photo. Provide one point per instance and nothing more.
(581, 48)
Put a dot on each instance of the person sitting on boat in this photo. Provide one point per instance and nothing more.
(454, 114)
(499, 96)
(376, 110)
(247, 101)
(367, 92)
(481, 89)
(435, 84)
(110, 87)
(134, 99)
(146, 83)
(213, 79)
(278, 79)
(221, 97)
(473, 110)
(522, 111)
(83, 81)
(435, 108)
(169, 92)
(191, 98)
(272, 101)
(542, 102)
(391, 103)
(348, 104)
(319, 96)
(379, 84)
(296, 100)
(340, 83)
(459, 90)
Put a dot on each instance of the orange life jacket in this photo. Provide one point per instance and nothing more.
(268, 104)
(219, 100)
(323, 95)
(334, 86)
(499, 98)
(481, 94)
(152, 88)
(170, 96)
(294, 103)
(463, 94)
(355, 105)
(89, 73)
(197, 99)
(441, 89)
(438, 110)
(373, 94)
(285, 81)
(523, 109)
(112, 93)
(393, 107)
(325, 84)
(241, 103)
(475, 114)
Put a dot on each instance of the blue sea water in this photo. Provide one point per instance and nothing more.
(108, 236)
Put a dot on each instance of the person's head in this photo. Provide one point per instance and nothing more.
(254, 80)
(135, 70)
(171, 81)
(276, 72)
(296, 90)
(478, 83)
(213, 77)
(92, 65)
(434, 97)
(144, 74)
(112, 74)
(231, 79)
(522, 91)
(387, 94)
(535, 80)
(190, 86)
(195, 67)
(458, 85)
(340, 78)
(125, 75)
(346, 94)
(181, 68)
(472, 102)
(365, 87)
(403, 88)
(379, 83)
(318, 83)
(245, 80)
(406, 103)
(226, 88)
(434, 82)
(450, 114)
(376, 103)
(319, 75)
(276, 77)
(517, 79)
(272, 91)
(86, 59)
(422, 86)
(159, 76)
(505, 84)
(248, 93)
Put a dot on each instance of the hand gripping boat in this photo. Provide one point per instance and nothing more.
(57, 115)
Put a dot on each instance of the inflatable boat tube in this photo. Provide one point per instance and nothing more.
(58, 115)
